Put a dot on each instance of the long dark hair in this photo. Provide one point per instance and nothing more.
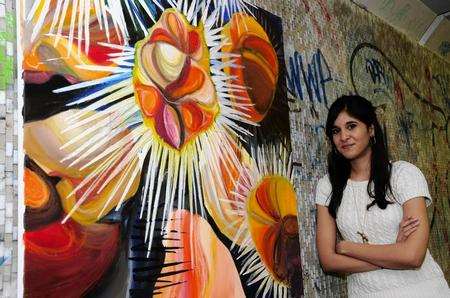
(339, 167)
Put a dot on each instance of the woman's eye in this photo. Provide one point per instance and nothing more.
(334, 131)
(351, 126)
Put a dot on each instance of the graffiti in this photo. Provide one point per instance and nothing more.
(325, 13)
(376, 71)
(370, 68)
(323, 7)
(444, 48)
(443, 82)
(309, 80)
(393, 68)
(6, 257)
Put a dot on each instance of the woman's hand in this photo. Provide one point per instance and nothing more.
(407, 226)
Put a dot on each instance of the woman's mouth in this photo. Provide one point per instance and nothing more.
(346, 147)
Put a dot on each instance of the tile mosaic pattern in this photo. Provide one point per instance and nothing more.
(8, 151)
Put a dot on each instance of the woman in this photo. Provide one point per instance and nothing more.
(379, 209)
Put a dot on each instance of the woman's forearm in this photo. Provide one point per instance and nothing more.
(392, 256)
(342, 264)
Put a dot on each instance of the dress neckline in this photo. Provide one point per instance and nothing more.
(356, 182)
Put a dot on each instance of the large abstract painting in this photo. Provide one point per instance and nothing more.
(157, 151)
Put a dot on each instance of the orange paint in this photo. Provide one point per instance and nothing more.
(192, 115)
(174, 25)
(264, 49)
(190, 80)
(37, 192)
(150, 99)
(203, 264)
(272, 218)
(264, 198)
(259, 61)
(40, 55)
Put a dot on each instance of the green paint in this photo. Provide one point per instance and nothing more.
(7, 63)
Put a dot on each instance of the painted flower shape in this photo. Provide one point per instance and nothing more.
(172, 84)
(257, 211)
(54, 46)
(259, 65)
(165, 108)
(272, 217)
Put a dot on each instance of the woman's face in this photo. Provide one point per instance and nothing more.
(351, 136)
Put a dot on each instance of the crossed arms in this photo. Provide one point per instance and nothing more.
(350, 257)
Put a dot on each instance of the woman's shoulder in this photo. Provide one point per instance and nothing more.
(324, 180)
(323, 191)
(324, 184)
(401, 167)
(409, 182)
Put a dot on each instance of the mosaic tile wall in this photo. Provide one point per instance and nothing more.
(332, 48)
(8, 151)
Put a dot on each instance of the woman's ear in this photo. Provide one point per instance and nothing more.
(372, 131)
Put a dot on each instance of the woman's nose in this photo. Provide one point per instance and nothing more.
(344, 135)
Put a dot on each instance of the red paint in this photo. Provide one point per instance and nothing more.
(263, 196)
(66, 260)
(399, 94)
(161, 35)
(192, 116)
(324, 7)
(305, 3)
(99, 54)
(194, 42)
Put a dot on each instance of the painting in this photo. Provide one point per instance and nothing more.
(157, 151)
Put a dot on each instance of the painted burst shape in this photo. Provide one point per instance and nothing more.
(115, 100)
(78, 16)
(230, 7)
(109, 14)
(264, 201)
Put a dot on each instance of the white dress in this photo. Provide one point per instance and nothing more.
(381, 227)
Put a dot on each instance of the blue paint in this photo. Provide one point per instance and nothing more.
(310, 77)
(444, 48)
(138, 14)
(3, 260)
(376, 71)
(92, 89)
